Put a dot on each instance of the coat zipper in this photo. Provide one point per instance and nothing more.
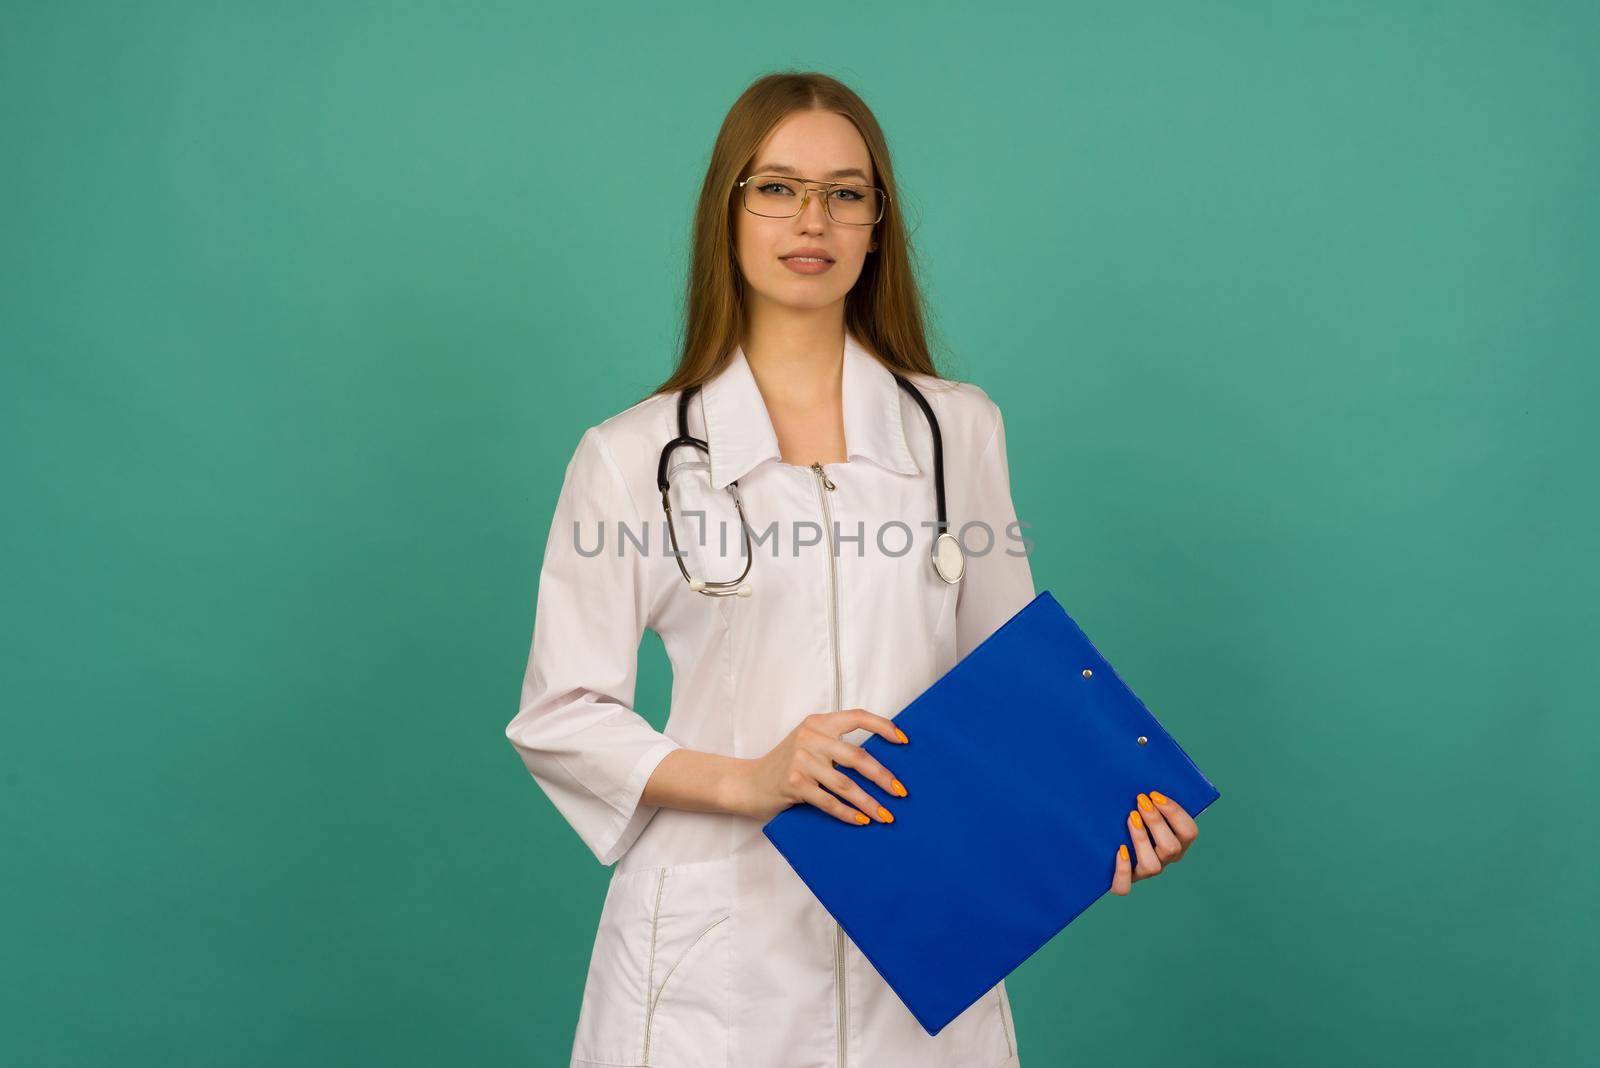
(825, 483)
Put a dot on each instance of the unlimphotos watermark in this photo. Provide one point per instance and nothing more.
(893, 538)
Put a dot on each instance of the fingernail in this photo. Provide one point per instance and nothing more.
(883, 814)
(899, 790)
(861, 817)
(902, 734)
(1122, 852)
(1138, 824)
(1144, 803)
(1159, 797)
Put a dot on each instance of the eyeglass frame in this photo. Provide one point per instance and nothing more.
(883, 202)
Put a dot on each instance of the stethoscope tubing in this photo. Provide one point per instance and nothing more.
(724, 587)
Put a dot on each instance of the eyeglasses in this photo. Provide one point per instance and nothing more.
(777, 197)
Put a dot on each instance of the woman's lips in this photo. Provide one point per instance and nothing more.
(805, 265)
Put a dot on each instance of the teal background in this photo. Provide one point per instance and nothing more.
(1291, 311)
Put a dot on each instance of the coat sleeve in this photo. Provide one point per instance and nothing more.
(998, 583)
(576, 729)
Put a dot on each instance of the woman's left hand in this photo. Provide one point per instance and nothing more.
(1162, 833)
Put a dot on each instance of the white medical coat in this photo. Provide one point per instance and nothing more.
(710, 951)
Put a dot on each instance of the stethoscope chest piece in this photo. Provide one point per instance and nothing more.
(948, 559)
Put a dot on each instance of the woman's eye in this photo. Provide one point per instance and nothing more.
(850, 194)
(778, 186)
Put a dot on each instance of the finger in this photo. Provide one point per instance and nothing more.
(1177, 818)
(1168, 848)
(842, 786)
(1148, 865)
(853, 718)
(816, 795)
(1122, 877)
(856, 757)
(846, 787)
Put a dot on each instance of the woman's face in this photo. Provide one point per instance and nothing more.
(821, 146)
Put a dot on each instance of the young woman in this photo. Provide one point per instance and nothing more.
(812, 600)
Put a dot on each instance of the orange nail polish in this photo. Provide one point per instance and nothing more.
(883, 814)
(1144, 803)
(861, 817)
(1159, 797)
(1138, 824)
(1122, 852)
(899, 788)
(902, 734)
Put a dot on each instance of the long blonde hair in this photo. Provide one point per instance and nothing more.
(883, 309)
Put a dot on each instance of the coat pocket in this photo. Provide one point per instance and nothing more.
(658, 988)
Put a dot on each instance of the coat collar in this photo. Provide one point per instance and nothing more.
(740, 434)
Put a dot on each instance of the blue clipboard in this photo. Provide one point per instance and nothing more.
(1022, 763)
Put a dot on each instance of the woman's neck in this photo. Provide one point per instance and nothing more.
(797, 361)
(800, 373)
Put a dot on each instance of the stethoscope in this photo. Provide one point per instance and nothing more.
(948, 560)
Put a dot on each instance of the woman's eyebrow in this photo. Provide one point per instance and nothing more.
(784, 168)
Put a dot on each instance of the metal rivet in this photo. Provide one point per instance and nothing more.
(1143, 739)
(1087, 673)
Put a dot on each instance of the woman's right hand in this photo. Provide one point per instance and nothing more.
(801, 769)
